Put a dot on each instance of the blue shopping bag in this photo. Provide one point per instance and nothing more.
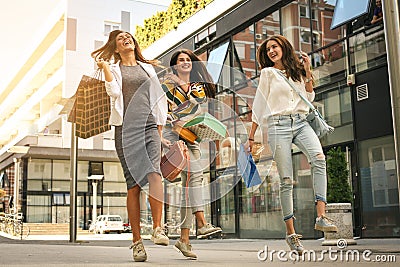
(247, 168)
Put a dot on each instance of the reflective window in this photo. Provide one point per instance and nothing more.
(216, 61)
(379, 187)
(227, 211)
(39, 173)
(303, 195)
(308, 37)
(244, 62)
(39, 168)
(335, 106)
(292, 24)
(330, 64)
(37, 214)
(267, 26)
(323, 11)
(368, 49)
(261, 212)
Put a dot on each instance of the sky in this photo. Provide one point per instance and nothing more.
(22, 20)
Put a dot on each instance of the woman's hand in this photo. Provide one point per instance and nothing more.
(105, 66)
(185, 148)
(178, 81)
(102, 64)
(165, 143)
(248, 146)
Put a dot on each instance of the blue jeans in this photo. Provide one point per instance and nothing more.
(283, 130)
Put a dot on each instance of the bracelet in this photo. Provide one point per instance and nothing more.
(307, 80)
(251, 139)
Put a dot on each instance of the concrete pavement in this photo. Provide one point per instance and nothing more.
(212, 252)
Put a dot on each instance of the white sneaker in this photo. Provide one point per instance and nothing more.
(159, 237)
(294, 243)
(139, 253)
(325, 224)
(207, 230)
(185, 249)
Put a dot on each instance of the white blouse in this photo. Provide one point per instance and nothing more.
(274, 96)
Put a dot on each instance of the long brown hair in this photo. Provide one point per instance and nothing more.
(108, 50)
(294, 68)
(199, 71)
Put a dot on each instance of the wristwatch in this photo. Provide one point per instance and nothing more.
(307, 80)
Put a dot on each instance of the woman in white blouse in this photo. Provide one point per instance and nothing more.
(138, 112)
(285, 112)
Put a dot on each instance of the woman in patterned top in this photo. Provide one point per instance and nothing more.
(186, 88)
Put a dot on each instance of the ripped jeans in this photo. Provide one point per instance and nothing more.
(283, 130)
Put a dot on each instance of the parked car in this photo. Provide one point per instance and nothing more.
(145, 227)
(127, 227)
(108, 223)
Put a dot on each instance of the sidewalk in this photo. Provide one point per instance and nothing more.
(213, 252)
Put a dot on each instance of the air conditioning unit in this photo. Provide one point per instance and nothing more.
(258, 36)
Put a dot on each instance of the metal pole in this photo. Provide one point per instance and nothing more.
(17, 163)
(108, 205)
(73, 184)
(94, 210)
(391, 23)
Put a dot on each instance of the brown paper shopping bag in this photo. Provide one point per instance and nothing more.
(91, 111)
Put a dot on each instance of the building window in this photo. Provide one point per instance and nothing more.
(383, 176)
(205, 36)
(71, 34)
(306, 36)
(216, 61)
(379, 186)
(303, 11)
(252, 54)
(251, 28)
(111, 26)
(241, 50)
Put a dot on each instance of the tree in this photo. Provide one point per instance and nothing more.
(338, 186)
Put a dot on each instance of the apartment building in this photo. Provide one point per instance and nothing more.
(35, 137)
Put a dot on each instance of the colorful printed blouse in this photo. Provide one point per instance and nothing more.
(181, 103)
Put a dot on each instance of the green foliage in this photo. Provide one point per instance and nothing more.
(338, 186)
(163, 22)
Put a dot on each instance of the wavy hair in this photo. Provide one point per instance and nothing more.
(199, 71)
(290, 61)
(108, 50)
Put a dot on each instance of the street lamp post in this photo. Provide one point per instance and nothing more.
(73, 185)
(95, 179)
(17, 164)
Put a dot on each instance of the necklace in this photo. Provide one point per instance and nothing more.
(283, 71)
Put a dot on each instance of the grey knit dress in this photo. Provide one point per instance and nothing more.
(137, 141)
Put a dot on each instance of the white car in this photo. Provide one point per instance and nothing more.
(108, 223)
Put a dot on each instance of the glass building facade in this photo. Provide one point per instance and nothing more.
(358, 49)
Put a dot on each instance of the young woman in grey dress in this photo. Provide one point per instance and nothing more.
(138, 112)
